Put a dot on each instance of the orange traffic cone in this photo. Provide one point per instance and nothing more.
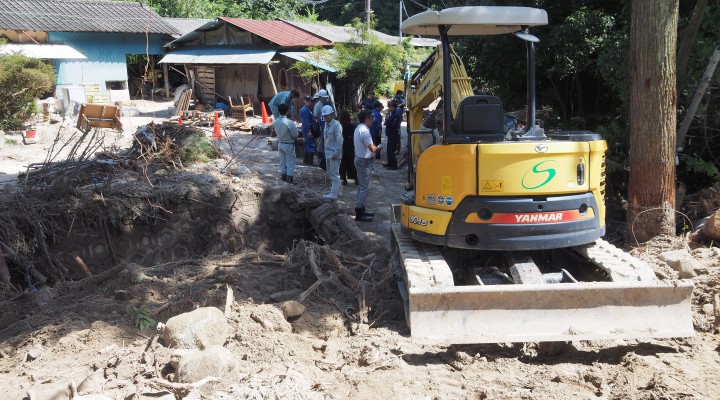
(180, 120)
(216, 128)
(265, 119)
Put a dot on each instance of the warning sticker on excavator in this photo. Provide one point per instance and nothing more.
(491, 186)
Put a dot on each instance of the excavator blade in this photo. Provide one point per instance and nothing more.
(440, 313)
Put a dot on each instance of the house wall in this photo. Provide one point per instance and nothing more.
(106, 57)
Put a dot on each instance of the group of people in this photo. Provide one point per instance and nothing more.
(339, 139)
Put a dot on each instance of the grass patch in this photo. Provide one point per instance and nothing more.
(198, 149)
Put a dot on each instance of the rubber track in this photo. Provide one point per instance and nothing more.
(424, 265)
(621, 266)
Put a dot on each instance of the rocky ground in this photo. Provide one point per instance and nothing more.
(231, 329)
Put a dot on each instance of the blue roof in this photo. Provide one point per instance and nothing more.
(308, 58)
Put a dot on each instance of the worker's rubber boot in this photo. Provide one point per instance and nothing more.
(361, 216)
(368, 213)
(284, 177)
(290, 180)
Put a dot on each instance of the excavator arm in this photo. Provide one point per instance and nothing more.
(425, 87)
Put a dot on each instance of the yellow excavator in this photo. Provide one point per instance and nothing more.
(498, 238)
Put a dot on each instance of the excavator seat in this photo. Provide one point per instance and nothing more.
(479, 119)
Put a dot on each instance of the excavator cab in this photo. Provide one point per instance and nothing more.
(498, 238)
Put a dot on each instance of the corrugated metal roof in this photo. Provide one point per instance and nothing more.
(218, 55)
(186, 25)
(279, 32)
(81, 16)
(308, 58)
(346, 34)
(44, 51)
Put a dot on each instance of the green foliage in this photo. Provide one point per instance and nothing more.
(255, 9)
(198, 149)
(22, 80)
(696, 165)
(367, 62)
(143, 320)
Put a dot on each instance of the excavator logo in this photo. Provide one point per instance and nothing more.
(539, 175)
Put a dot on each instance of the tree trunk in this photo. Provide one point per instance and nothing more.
(686, 39)
(653, 98)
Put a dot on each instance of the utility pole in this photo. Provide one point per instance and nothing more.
(400, 8)
(368, 12)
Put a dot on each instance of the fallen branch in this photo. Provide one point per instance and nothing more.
(4, 271)
(314, 265)
(103, 276)
(14, 258)
(83, 266)
(347, 276)
(304, 295)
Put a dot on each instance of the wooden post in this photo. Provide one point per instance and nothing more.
(271, 78)
(167, 79)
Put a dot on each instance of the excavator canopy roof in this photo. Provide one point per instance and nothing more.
(476, 20)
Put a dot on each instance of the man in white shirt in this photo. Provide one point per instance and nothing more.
(287, 132)
(333, 150)
(364, 149)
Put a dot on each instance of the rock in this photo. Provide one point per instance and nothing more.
(292, 309)
(93, 383)
(593, 379)
(286, 295)
(35, 352)
(51, 391)
(319, 345)
(121, 295)
(708, 309)
(682, 262)
(195, 365)
(242, 170)
(94, 397)
(197, 329)
(711, 230)
(125, 371)
(270, 318)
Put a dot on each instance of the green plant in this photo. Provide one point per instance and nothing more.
(143, 320)
(22, 80)
(697, 165)
(198, 149)
(367, 62)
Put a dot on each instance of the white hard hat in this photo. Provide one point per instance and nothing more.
(322, 93)
(327, 110)
(316, 96)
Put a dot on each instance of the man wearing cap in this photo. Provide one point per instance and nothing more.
(283, 98)
(369, 102)
(307, 118)
(324, 100)
(286, 134)
(364, 149)
(333, 151)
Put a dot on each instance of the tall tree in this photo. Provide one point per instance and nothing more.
(653, 98)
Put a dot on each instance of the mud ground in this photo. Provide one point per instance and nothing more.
(66, 333)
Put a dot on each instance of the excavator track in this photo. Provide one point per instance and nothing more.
(633, 305)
